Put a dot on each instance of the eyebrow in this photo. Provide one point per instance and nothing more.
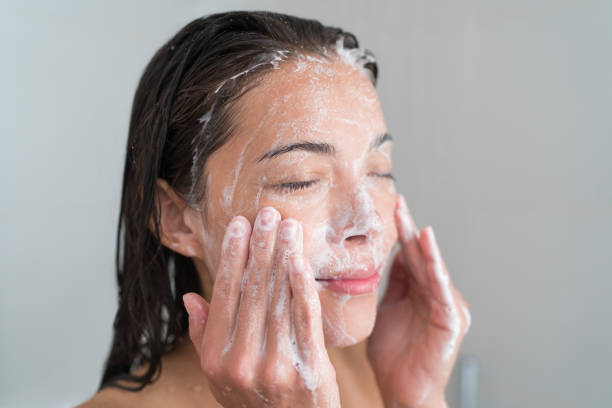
(320, 148)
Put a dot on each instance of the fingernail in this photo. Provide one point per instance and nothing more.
(237, 227)
(193, 305)
(433, 237)
(187, 303)
(433, 243)
(266, 218)
(288, 230)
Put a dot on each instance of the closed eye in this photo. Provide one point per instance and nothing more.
(301, 185)
(294, 186)
(384, 175)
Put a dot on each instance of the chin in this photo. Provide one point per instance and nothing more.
(347, 319)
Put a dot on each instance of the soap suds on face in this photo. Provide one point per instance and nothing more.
(329, 251)
(276, 57)
(195, 169)
(229, 190)
(338, 326)
(355, 216)
(357, 57)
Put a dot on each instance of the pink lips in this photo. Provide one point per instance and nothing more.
(356, 285)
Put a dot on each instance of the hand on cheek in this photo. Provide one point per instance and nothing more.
(421, 321)
(260, 341)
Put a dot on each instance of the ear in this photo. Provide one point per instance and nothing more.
(179, 224)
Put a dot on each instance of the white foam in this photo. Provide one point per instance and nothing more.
(277, 56)
(195, 170)
(304, 370)
(356, 57)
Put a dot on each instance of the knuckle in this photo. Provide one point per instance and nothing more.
(277, 372)
(259, 266)
(242, 373)
(223, 284)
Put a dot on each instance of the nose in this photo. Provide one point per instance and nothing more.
(355, 222)
(355, 240)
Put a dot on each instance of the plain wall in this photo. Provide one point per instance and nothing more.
(501, 117)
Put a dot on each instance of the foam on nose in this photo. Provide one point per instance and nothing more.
(354, 217)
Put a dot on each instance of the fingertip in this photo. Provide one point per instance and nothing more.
(236, 238)
(425, 237)
(188, 303)
(273, 211)
(267, 218)
(196, 306)
(241, 224)
(431, 234)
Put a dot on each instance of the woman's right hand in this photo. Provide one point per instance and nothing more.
(260, 341)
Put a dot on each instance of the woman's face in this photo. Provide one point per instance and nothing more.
(336, 183)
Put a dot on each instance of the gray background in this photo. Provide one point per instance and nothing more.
(501, 116)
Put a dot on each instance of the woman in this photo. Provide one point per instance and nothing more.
(258, 214)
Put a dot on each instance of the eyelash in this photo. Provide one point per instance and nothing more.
(301, 185)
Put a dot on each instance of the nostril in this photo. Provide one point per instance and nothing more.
(356, 239)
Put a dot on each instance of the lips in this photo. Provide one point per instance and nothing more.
(352, 273)
(353, 281)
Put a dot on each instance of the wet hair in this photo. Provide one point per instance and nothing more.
(184, 109)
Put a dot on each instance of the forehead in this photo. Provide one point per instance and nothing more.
(310, 99)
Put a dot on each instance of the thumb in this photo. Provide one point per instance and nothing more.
(197, 309)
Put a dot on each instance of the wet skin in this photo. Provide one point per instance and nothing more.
(310, 151)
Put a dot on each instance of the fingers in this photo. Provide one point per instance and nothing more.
(254, 301)
(306, 308)
(228, 282)
(279, 321)
(425, 259)
(409, 237)
(197, 309)
(439, 280)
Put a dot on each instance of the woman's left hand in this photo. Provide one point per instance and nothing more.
(420, 323)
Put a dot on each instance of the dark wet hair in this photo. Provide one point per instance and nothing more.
(183, 111)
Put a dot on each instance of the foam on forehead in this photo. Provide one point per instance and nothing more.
(313, 69)
(319, 78)
(357, 57)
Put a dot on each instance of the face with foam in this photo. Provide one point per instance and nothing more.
(337, 183)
